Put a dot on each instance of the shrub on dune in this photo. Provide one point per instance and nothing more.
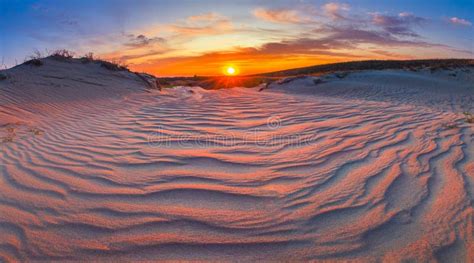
(35, 59)
(34, 62)
(113, 66)
(87, 58)
(451, 126)
(62, 54)
(342, 75)
(469, 117)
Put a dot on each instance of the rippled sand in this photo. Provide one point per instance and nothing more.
(236, 174)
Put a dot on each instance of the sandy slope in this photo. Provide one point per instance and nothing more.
(365, 168)
(443, 89)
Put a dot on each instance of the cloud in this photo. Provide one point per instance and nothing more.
(211, 16)
(202, 24)
(142, 56)
(136, 48)
(351, 36)
(282, 15)
(301, 46)
(389, 54)
(142, 41)
(216, 28)
(333, 10)
(325, 45)
(398, 25)
(459, 21)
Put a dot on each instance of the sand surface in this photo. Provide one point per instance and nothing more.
(377, 166)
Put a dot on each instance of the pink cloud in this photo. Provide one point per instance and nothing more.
(333, 10)
(459, 21)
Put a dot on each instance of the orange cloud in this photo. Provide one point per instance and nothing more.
(280, 15)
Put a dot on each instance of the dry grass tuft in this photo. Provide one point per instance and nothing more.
(342, 75)
(451, 126)
(113, 65)
(469, 117)
(8, 138)
(10, 134)
(35, 131)
(87, 58)
(62, 54)
(34, 59)
(34, 62)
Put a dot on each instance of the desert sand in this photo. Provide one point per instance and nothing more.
(374, 166)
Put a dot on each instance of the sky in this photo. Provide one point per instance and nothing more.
(185, 38)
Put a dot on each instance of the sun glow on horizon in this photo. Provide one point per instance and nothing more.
(230, 71)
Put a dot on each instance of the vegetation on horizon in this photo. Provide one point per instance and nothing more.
(63, 54)
(413, 65)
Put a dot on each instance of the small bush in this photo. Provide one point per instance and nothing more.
(342, 75)
(451, 126)
(87, 58)
(35, 131)
(34, 62)
(3, 76)
(289, 79)
(10, 136)
(34, 59)
(36, 55)
(469, 117)
(113, 66)
(7, 139)
(62, 54)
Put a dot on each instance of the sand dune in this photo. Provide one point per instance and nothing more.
(376, 166)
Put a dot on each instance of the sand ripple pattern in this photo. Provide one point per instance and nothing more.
(221, 175)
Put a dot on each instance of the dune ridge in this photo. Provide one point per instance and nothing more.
(299, 171)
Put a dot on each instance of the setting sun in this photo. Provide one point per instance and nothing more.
(230, 71)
